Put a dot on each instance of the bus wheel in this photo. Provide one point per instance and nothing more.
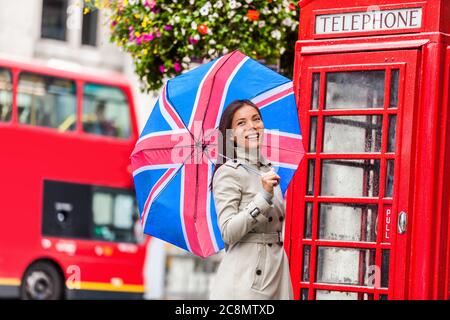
(42, 281)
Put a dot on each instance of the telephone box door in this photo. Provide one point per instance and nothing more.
(350, 208)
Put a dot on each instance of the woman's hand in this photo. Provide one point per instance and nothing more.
(270, 180)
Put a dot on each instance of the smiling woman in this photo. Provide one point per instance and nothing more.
(250, 208)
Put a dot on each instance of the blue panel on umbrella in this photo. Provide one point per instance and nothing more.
(155, 122)
(164, 220)
(261, 80)
(144, 181)
(271, 115)
(182, 96)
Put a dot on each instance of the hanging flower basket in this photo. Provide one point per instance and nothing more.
(164, 36)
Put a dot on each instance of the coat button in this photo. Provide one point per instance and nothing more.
(281, 219)
(258, 272)
(270, 219)
(269, 244)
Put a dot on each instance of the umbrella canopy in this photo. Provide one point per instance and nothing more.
(173, 160)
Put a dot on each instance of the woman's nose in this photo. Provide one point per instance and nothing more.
(253, 125)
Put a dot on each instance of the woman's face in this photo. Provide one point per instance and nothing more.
(247, 126)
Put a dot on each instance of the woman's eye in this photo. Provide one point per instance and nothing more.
(240, 123)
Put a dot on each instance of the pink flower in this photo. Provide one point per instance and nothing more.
(158, 34)
(162, 68)
(167, 27)
(114, 23)
(150, 3)
(177, 66)
(192, 40)
(148, 37)
(139, 40)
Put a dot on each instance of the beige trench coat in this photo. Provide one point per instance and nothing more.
(249, 270)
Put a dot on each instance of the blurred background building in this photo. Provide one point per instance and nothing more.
(58, 34)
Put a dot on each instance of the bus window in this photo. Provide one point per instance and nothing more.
(90, 212)
(105, 111)
(47, 101)
(115, 217)
(5, 95)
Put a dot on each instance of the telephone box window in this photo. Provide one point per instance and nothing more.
(385, 255)
(345, 265)
(54, 16)
(311, 172)
(392, 133)
(394, 89)
(355, 134)
(355, 90)
(308, 221)
(315, 91)
(304, 294)
(5, 95)
(350, 178)
(306, 262)
(338, 295)
(344, 222)
(47, 101)
(389, 179)
(313, 135)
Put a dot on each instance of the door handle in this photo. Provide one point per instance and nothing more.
(402, 222)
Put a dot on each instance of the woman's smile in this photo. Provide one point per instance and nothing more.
(247, 127)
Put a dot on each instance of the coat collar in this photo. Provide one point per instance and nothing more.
(252, 156)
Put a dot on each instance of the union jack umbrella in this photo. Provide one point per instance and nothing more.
(174, 158)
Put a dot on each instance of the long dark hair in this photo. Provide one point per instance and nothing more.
(225, 143)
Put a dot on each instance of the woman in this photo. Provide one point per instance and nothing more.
(250, 210)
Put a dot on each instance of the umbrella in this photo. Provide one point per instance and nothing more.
(173, 160)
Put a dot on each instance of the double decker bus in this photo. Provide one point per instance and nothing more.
(68, 217)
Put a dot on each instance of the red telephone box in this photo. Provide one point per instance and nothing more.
(368, 211)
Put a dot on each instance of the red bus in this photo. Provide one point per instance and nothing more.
(69, 220)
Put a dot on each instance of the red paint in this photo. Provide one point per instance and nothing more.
(419, 264)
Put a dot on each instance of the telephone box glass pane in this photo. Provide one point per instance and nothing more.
(315, 91)
(338, 295)
(311, 170)
(350, 178)
(308, 221)
(355, 90)
(389, 178)
(306, 262)
(304, 294)
(345, 265)
(352, 134)
(391, 132)
(348, 222)
(394, 89)
(385, 268)
(313, 135)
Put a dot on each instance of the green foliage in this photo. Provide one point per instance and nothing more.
(164, 36)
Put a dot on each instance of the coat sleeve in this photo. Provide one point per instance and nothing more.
(235, 224)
